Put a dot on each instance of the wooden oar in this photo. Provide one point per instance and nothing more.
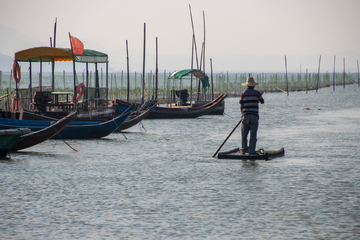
(227, 138)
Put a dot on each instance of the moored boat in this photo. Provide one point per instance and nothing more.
(138, 115)
(134, 118)
(75, 130)
(178, 112)
(34, 138)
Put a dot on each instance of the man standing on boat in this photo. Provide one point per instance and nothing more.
(249, 106)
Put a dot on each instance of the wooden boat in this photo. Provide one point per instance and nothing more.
(177, 112)
(75, 130)
(134, 118)
(137, 116)
(9, 137)
(261, 155)
(219, 110)
(34, 138)
(203, 80)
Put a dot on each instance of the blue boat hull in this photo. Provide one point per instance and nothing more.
(75, 130)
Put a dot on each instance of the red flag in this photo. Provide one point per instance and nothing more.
(76, 45)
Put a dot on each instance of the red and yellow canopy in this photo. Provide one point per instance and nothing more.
(46, 54)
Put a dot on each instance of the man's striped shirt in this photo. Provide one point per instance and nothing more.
(250, 99)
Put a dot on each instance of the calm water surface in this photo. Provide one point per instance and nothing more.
(163, 184)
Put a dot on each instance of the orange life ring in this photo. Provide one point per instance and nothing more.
(79, 90)
(16, 71)
(13, 104)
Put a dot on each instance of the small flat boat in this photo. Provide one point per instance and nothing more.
(260, 155)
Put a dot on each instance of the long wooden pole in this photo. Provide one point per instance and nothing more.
(192, 67)
(192, 25)
(128, 73)
(16, 96)
(286, 75)
(87, 82)
(201, 55)
(156, 72)
(107, 80)
(55, 32)
(222, 144)
(74, 72)
(334, 74)
(344, 73)
(40, 75)
(53, 61)
(358, 73)
(204, 42)
(212, 82)
(317, 84)
(306, 87)
(30, 78)
(143, 75)
(199, 82)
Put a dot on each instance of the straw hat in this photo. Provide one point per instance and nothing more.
(250, 82)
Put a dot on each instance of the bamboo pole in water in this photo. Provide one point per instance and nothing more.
(306, 87)
(128, 73)
(201, 55)
(317, 84)
(40, 76)
(143, 75)
(156, 72)
(334, 74)
(74, 73)
(204, 42)
(121, 82)
(358, 73)
(164, 84)
(102, 80)
(153, 87)
(212, 82)
(344, 74)
(64, 78)
(30, 78)
(53, 61)
(192, 25)
(192, 66)
(287, 82)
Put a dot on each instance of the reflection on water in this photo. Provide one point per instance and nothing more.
(250, 164)
(163, 183)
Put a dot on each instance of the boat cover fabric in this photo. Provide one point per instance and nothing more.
(46, 54)
(90, 56)
(197, 73)
(178, 74)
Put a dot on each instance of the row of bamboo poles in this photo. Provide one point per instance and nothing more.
(229, 83)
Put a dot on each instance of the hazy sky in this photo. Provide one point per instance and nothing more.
(233, 27)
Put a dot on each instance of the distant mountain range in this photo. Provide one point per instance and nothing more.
(5, 62)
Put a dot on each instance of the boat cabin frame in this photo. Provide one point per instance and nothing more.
(92, 95)
(201, 78)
